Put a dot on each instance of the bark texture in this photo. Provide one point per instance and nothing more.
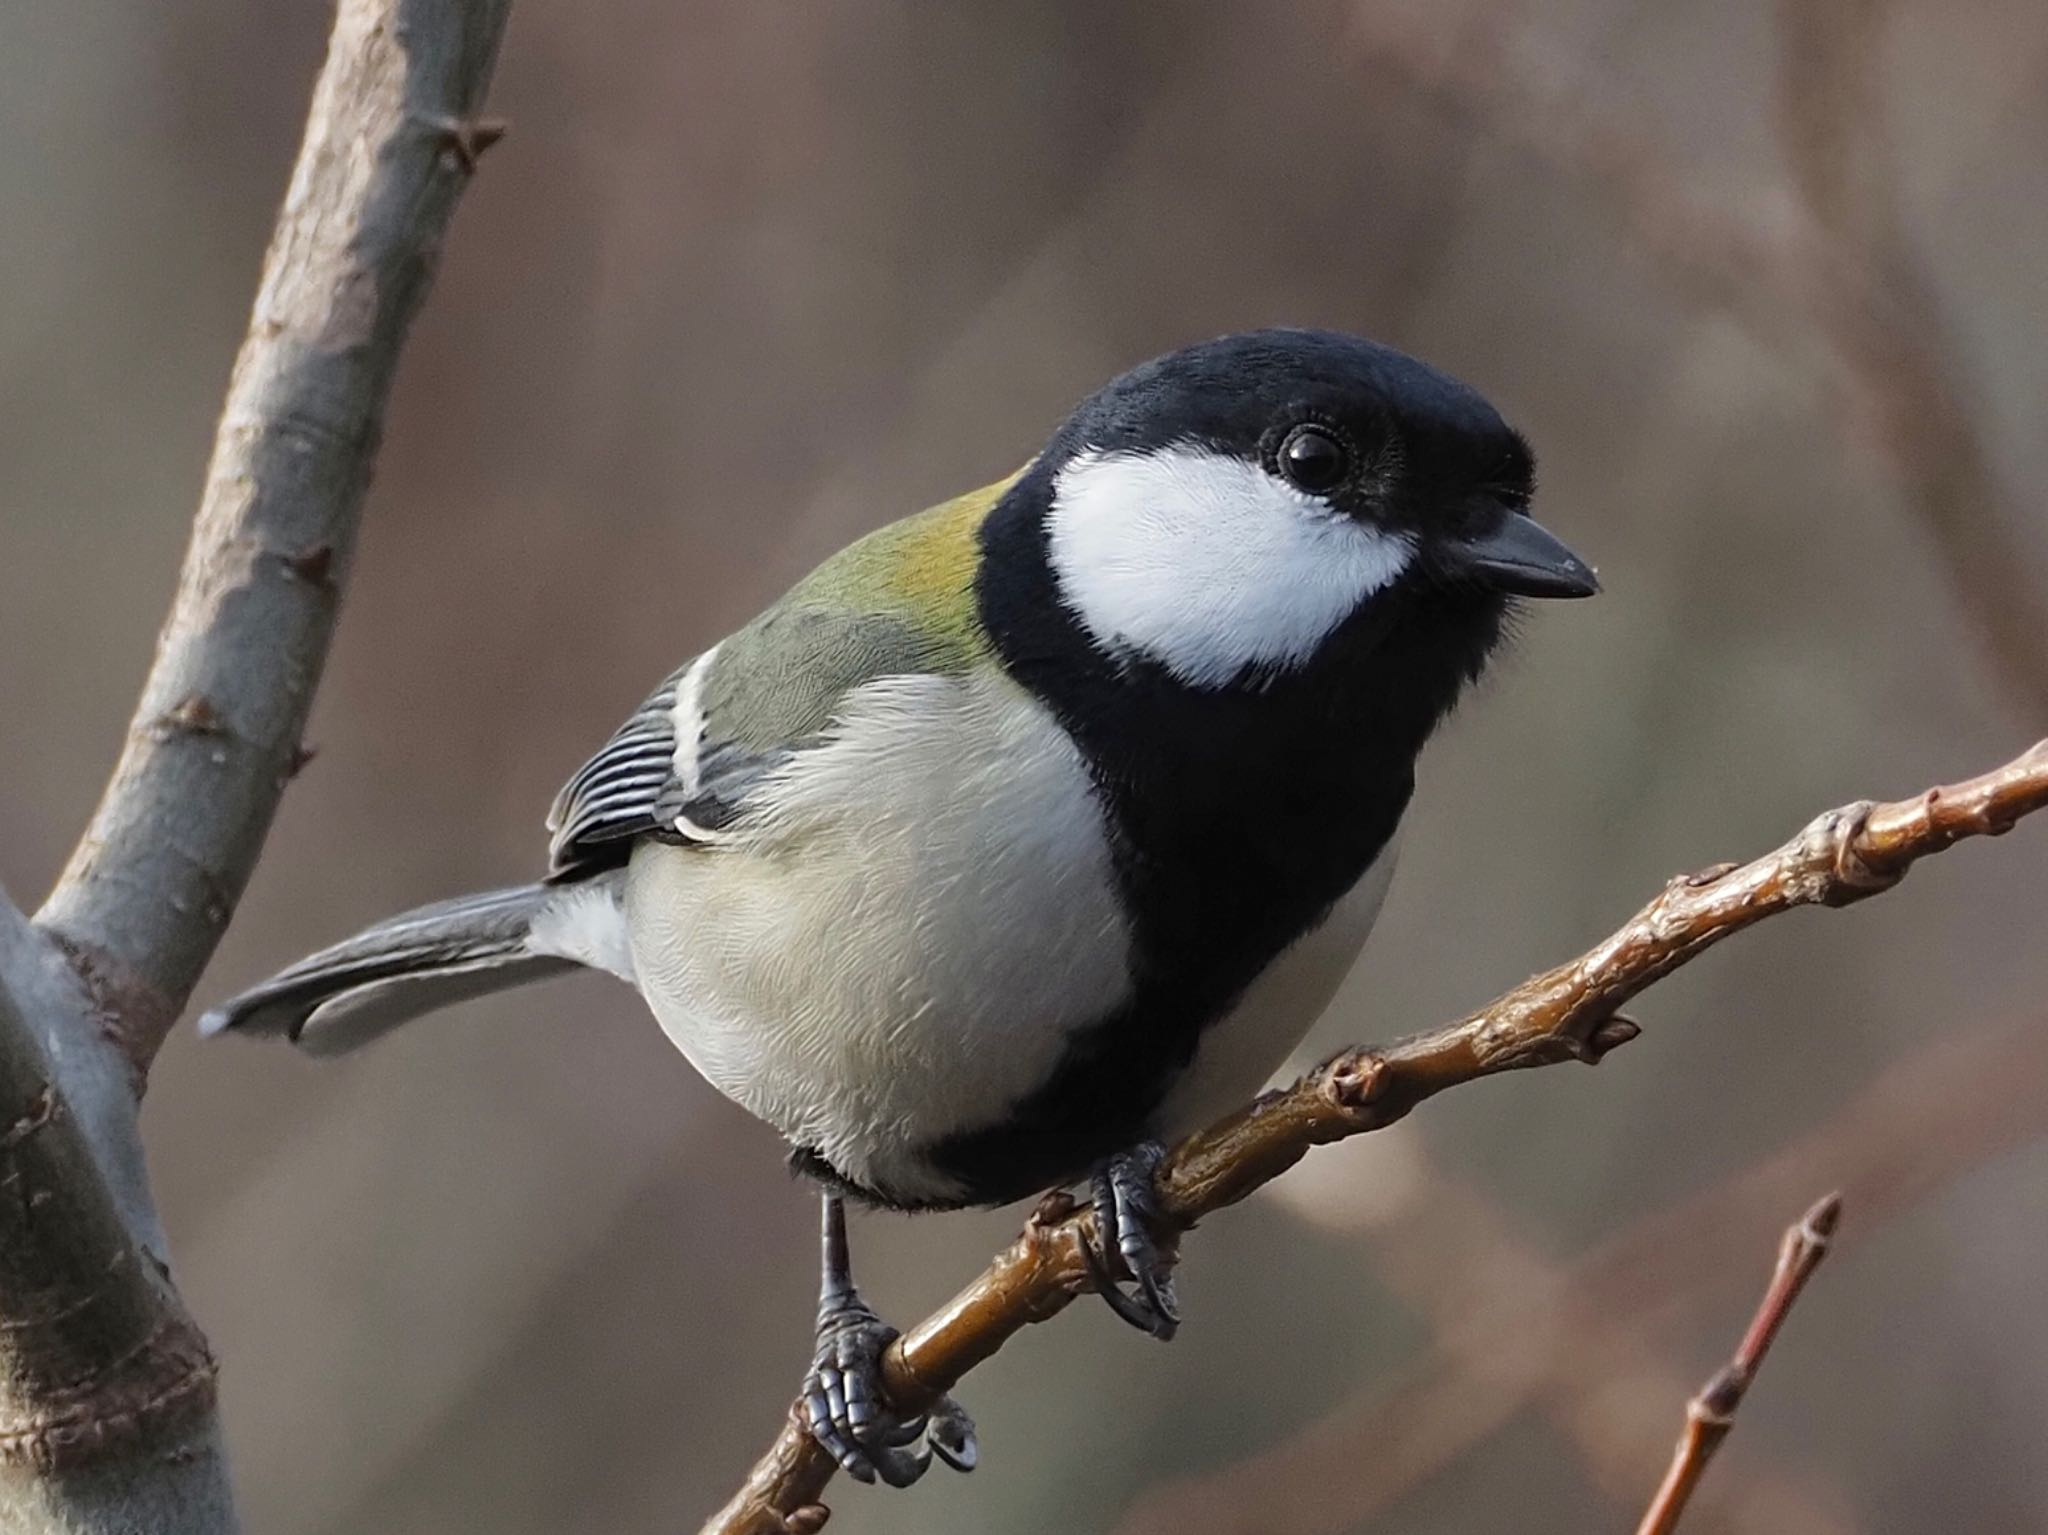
(107, 1388)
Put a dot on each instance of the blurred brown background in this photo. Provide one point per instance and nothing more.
(1765, 288)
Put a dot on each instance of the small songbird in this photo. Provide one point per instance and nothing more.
(1033, 830)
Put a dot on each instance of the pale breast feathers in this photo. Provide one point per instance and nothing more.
(929, 917)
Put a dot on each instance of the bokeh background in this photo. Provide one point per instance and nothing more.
(1764, 284)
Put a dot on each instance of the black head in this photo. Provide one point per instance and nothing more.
(1376, 435)
(1270, 505)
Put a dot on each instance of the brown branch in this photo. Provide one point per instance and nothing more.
(390, 143)
(1825, 266)
(1711, 1414)
(1576, 1339)
(1568, 1013)
(1514, 1330)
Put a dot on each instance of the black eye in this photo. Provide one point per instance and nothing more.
(1312, 459)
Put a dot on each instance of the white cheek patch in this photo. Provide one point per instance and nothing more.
(1207, 564)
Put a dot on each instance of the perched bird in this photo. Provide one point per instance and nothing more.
(1033, 830)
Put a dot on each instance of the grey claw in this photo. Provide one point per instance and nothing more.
(903, 1468)
(1126, 1206)
(852, 1399)
(1131, 1308)
(895, 1433)
(835, 1401)
(951, 1434)
(1159, 1292)
(851, 1420)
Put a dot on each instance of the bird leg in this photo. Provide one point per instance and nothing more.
(844, 1401)
(1126, 1218)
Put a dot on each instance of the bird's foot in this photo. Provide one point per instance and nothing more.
(849, 1414)
(1128, 1227)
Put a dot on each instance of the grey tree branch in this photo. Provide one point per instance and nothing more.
(93, 1074)
(97, 1356)
(107, 1407)
(391, 139)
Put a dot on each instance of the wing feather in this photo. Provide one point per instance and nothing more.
(684, 764)
(610, 800)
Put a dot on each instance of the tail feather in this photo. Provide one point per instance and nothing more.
(363, 987)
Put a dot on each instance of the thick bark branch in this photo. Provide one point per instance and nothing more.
(102, 1371)
(107, 1420)
(95, 1350)
(1568, 1013)
(390, 142)
(95, 1078)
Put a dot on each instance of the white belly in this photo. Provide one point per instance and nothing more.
(1240, 1053)
(900, 943)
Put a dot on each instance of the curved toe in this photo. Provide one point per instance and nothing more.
(1128, 1223)
(848, 1413)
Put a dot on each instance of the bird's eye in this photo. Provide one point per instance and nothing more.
(1312, 459)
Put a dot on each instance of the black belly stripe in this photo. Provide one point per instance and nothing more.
(1206, 930)
(1238, 818)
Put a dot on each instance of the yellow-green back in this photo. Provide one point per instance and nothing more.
(901, 600)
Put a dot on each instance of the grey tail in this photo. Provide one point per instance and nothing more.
(365, 986)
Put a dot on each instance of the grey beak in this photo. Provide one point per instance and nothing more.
(1519, 555)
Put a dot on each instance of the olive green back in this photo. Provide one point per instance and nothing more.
(900, 600)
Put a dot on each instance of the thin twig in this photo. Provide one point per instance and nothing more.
(1568, 1013)
(390, 143)
(1711, 1413)
(1925, 1121)
(1514, 1331)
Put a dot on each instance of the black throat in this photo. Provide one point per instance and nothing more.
(1238, 817)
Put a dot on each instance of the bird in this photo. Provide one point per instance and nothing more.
(1034, 830)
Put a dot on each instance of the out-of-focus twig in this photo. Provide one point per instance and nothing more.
(1830, 121)
(1711, 1413)
(1823, 267)
(1902, 386)
(1568, 1013)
